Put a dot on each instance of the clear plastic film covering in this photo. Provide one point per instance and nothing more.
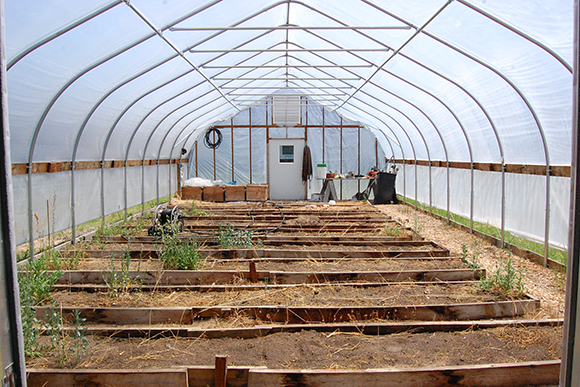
(470, 81)
(342, 144)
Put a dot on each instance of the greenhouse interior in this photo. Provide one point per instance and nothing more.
(348, 188)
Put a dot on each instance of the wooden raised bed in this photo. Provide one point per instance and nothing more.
(191, 193)
(256, 193)
(199, 277)
(235, 193)
(213, 194)
(226, 303)
(187, 315)
(497, 375)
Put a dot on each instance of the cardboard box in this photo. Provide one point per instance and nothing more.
(213, 194)
(189, 193)
(235, 193)
(256, 193)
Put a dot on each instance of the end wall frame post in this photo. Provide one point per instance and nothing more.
(12, 363)
(570, 368)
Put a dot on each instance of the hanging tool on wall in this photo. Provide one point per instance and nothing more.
(306, 164)
(213, 143)
(168, 221)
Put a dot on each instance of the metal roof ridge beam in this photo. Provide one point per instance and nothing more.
(407, 41)
(177, 50)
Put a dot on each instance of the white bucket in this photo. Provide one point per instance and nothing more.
(321, 171)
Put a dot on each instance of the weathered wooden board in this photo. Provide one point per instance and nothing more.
(202, 376)
(319, 253)
(107, 378)
(256, 193)
(185, 315)
(191, 193)
(497, 375)
(91, 288)
(206, 277)
(234, 193)
(362, 240)
(364, 328)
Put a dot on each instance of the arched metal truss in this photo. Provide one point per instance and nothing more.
(352, 67)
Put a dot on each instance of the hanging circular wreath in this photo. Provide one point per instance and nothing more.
(213, 142)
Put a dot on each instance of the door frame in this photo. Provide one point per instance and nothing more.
(268, 180)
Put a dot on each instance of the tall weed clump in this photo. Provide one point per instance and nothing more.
(35, 281)
(177, 254)
(505, 280)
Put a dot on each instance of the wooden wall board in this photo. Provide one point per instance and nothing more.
(62, 166)
(526, 169)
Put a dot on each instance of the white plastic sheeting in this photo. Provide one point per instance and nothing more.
(447, 80)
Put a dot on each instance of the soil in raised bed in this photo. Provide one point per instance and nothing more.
(317, 350)
(389, 295)
(379, 264)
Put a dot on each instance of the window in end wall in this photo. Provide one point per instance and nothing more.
(286, 153)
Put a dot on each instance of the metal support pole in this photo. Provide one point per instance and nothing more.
(323, 132)
(232, 140)
(72, 204)
(570, 368)
(341, 152)
(502, 203)
(250, 136)
(471, 199)
(13, 366)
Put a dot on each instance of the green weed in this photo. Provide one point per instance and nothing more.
(418, 225)
(178, 255)
(120, 280)
(393, 230)
(470, 260)
(506, 280)
(228, 236)
(68, 346)
(35, 283)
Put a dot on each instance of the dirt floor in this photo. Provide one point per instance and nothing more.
(315, 350)
(548, 285)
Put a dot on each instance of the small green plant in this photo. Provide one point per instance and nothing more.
(68, 346)
(121, 280)
(470, 260)
(178, 255)
(193, 211)
(506, 280)
(394, 231)
(54, 260)
(418, 225)
(35, 283)
(229, 236)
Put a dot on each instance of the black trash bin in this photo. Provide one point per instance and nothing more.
(384, 188)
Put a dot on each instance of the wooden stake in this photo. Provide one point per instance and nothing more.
(221, 370)
(253, 272)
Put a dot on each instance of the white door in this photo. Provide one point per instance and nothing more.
(285, 169)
